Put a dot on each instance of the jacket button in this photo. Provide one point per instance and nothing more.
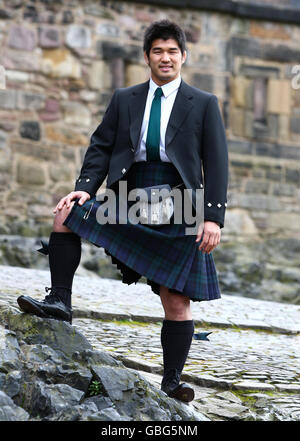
(124, 170)
(132, 149)
(87, 180)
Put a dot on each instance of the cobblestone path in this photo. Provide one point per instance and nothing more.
(248, 370)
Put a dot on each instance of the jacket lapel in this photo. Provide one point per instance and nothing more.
(181, 108)
(137, 106)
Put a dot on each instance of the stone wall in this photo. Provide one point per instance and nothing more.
(64, 59)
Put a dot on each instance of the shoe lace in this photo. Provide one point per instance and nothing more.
(53, 297)
(171, 377)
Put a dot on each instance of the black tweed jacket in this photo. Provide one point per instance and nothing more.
(195, 143)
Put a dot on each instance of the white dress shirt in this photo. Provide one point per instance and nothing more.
(167, 100)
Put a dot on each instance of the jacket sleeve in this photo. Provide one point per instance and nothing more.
(96, 160)
(215, 163)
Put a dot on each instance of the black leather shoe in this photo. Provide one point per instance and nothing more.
(170, 385)
(51, 307)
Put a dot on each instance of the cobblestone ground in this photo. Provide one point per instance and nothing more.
(249, 369)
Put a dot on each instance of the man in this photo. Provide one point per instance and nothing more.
(167, 129)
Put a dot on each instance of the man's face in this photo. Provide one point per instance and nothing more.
(165, 60)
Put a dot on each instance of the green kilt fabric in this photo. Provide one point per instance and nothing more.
(164, 255)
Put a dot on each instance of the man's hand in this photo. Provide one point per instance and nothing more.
(83, 195)
(211, 236)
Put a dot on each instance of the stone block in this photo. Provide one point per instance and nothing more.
(279, 52)
(269, 30)
(30, 172)
(239, 222)
(45, 16)
(292, 175)
(279, 96)
(30, 129)
(99, 76)
(239, 85)
(274, 174)
(237, 122)
(283, 128)
(135, 74)
(3, 139)
(256, 202)
(15, 76)
(295, 124)
(60, 172)
(192, 34)
(30, 101)
(78, 37)
(52, 105)
(257, 186)
(110, 49)
(244, 147)
(8, 99)
(5, 154)
(20, 60)
(98, 11)
(67, 17)
(244, 46)
(88, 95)
(283, 222)
(280, 189)
(254, 70)
(249, 95)
(2, 77)
(108, 30)
(268, 131)
(30, 13)
(77, 114)
(50, 111)
(65, 136)
(5, 13)
(249, 121)
(203, 81)
(59, 63)
(7, 120)
(21, 37)
(254, 385)
(289, 151)
(44, 150)
(49, 37)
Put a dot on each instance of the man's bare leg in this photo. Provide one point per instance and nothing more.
(176, 306)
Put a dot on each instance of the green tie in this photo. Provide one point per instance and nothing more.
(153, 135)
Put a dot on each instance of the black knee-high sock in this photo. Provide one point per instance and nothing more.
(176, 339)
(64, 258)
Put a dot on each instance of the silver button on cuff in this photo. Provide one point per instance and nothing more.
(124, 170)
(87, 180)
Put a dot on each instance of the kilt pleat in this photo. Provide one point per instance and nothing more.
(164, 255)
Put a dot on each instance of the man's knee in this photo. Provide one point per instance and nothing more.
(176, 305)
(60, 217)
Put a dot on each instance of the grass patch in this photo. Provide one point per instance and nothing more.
(125, 322)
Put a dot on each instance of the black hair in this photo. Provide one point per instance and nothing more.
(164, 29)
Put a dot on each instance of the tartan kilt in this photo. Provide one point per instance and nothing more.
(164, 255)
